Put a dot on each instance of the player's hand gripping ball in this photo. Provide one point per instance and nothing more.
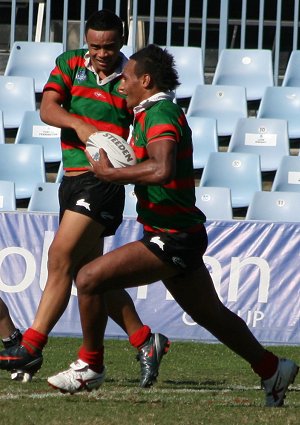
(119, 152)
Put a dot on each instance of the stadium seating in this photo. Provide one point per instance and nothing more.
(33, 59)
(287, 177)
(7, 196)
(266, 137)
(249, 68)
(24, 165)
(205, 139)
(34, 131)
(274, 206)
(189, 64)
(214, 202)
(240, 172)
(282, 103)
(291, 76)
(44, 198)
(226, 104)
(16, 96)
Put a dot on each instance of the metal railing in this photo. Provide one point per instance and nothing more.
(211, 25)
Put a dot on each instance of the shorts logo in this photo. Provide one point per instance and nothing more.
(179, 262)
(83, 203)
(157, 241)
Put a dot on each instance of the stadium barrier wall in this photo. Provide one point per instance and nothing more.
(254, 266)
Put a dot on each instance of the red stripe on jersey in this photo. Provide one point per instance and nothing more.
(165, 210)
(140, 151)
(98, 94)
(56, 87)
(158, 129)
(180, 184)
(182, 120)
(76, 61)
(106, 126)
(192, 229)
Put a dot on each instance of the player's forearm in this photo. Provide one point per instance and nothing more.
(53, 114)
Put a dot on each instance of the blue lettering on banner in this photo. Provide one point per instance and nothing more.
(253, 266)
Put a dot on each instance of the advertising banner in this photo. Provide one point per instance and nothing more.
(254, 266)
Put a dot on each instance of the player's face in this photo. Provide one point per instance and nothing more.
(104, 48)
(131, 85)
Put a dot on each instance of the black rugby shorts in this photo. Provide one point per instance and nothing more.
(182, 250)
(87, 195)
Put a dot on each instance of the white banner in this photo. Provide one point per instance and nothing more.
(254, 266)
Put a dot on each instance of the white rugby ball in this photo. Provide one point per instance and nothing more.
(119, 152)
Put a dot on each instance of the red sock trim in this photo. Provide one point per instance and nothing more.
(34, 340)
(140, 336)
(267, 365)
(93, 358)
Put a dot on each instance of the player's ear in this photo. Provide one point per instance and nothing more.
(147, 81)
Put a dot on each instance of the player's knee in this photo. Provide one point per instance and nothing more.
(85, 281)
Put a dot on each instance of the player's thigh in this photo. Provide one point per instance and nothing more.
(128, 266)
(78, 236)
(194, 291)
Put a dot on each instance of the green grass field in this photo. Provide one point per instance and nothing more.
(198, 384)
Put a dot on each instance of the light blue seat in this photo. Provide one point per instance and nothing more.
(24, 165)
(44, 198)
(2, 131)
(34, 131)
(282, 103)
(189, 65)
(205, 139)
(130, 201)
(266, 137)
(240, 172)
(249, 68)
(214, 202)
(291, 76)
(33, 59)
(7, 196)
(226, 104)
(287, 177)
(274, 206)
(60, 173)
(127, 50)
(16, 96)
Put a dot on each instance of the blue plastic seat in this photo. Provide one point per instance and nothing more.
(7, 196)
(127, 50)
(249, 68)
(291, 76)
(274, 206)
(60, 173)
(33, 59)
(2, 131)
(34, 131)
(282, 103)
(24, 165)
(287, 177)
(214, 202)
(226, 104)
(205, 139)
(130, 201)
(266, 137)
(240, 172)
(44, 198)
(189, 65)
(16, 96)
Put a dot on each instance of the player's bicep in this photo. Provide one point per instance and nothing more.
(163, 152)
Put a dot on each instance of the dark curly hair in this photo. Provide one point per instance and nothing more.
(159, 64)
(104, 20)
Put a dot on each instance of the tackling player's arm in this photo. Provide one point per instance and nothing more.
(54, 114)
(159, 168)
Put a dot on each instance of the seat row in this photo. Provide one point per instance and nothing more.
(216, 203)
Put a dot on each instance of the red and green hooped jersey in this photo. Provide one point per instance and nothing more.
(170, 207)
(100, 105)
